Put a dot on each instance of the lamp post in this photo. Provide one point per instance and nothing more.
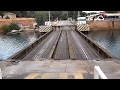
(78, 18)
(78, 13)
(49, 17)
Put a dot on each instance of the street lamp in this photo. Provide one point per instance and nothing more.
(78, 14)
(49, 16)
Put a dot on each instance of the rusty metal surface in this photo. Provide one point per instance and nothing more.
(85, 50)
(43, 48)
(62, 48)
(63, 44)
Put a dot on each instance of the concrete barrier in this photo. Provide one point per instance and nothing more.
(99, 49)
(22, 53)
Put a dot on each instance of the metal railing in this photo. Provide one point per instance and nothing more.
(98, 73)
(0, 74)
(96, 46)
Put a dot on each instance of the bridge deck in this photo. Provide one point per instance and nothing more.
(62, 48)
(44, 48)
(81, 49)
(69, 42)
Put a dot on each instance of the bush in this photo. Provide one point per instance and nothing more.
(5, 28)
(9, 28)
(14, 26)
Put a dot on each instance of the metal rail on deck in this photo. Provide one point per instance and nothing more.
(98, 73)
(55, 46)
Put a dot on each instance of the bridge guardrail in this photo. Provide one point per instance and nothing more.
(20, 54)
(99, 49)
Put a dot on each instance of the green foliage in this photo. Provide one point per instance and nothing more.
(56, 14)
(14, 26)
(73, 14)
(41, 17)
(111, 11)
(9, 28)
(5, 28)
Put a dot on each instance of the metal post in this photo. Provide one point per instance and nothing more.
(0, 74)
(78, 14)
(49, 17)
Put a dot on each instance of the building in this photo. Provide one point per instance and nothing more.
(81, 20)
(9, 15)
(95, 17)
(112, 16)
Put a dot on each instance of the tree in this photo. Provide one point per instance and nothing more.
(111, 11)
(41, 17)
(56, 14)
(73, 14)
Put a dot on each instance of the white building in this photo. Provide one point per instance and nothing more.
(112, 16)
(95, 17)
(9, 15)
(81, 20)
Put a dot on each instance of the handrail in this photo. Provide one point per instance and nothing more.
(98, 72)
(28, 48)
(0, 74)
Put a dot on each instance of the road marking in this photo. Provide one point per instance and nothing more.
(32, 76)
(45, 76)
(63, 75)
(78, 75)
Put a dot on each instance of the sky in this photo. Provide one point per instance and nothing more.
(92, 11)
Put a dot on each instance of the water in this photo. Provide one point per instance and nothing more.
(10, 44)
(109, 40)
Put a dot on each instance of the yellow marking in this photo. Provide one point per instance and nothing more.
(78, 75)
(32, 76)
(63, 75)
(45, 76)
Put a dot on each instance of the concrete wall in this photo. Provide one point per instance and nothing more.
(23, 21)
(104, 25)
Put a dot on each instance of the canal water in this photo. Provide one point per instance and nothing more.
(10, 44)
(109, 40)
